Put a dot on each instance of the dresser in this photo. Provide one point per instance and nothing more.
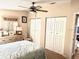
(11, 38)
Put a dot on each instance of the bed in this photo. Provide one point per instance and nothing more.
(21, 50)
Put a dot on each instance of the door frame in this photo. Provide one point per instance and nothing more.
(74, 38)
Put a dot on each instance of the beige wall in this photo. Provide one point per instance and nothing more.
(65, 9)
(54, 11)
(15, 13)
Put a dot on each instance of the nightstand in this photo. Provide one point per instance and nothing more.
(19, 37)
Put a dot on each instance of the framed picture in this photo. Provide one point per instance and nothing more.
(24, 19)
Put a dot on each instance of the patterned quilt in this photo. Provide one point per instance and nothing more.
(21, 50)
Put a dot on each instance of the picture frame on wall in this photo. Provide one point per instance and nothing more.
(24, 19)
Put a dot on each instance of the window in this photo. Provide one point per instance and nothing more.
(8, 26)
(35, 29)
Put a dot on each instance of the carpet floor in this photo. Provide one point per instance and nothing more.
(76, 55)
(53, 55)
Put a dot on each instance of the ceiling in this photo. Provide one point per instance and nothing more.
(13, 4)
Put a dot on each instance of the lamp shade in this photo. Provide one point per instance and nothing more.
(19, 28)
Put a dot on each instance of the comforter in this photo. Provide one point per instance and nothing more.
(21, 50)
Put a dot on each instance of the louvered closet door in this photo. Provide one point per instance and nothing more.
(55, 41)
(35, 30)
(49, 32)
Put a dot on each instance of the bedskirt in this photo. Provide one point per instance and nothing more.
(21, 50)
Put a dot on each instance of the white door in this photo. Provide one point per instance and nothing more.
(49, 33)
(35, 30)
(55, 35)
